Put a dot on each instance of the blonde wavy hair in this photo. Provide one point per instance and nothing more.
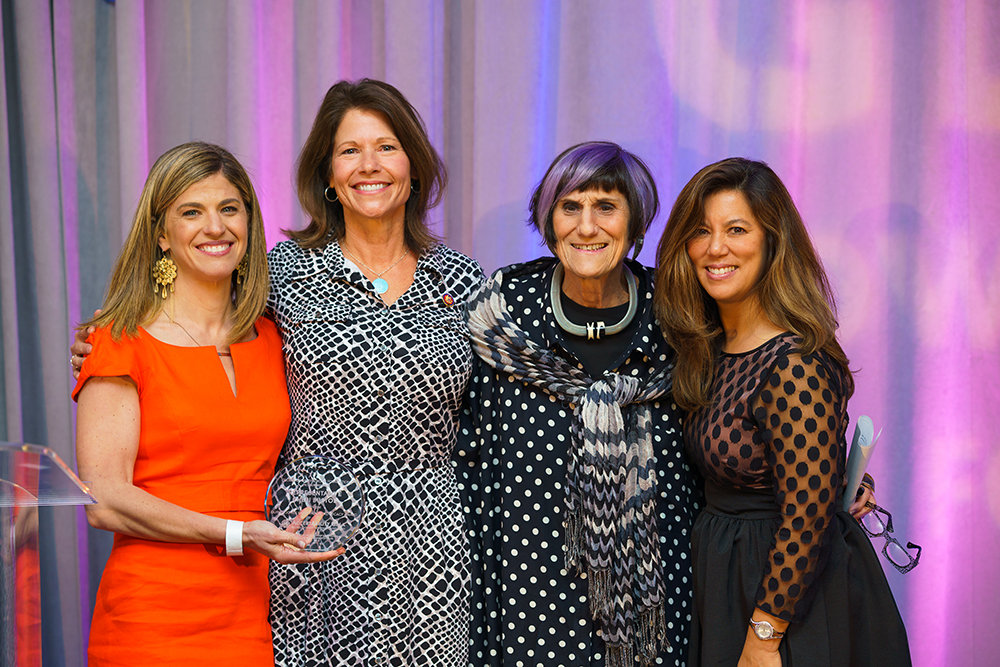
(132, 298)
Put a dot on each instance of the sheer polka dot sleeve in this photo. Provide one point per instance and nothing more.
(802, 417)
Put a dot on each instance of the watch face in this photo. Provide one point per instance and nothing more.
(764, 630)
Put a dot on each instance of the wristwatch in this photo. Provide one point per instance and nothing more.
(765, 630)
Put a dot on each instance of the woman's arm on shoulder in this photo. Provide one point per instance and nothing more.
(107, 443)
(80, 348)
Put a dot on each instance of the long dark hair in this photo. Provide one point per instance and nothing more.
(793, 290)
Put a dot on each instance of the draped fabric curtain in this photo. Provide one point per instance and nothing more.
(882, 117)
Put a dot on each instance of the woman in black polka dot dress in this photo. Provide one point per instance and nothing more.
(579, 498)
(781, 577)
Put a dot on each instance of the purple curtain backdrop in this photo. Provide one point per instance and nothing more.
(882, 117)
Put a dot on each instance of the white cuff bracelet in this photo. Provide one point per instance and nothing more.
(234, 538)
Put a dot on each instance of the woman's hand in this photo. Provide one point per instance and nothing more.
(860, 507)
(286, 546)
(759, 652)
(80, 349)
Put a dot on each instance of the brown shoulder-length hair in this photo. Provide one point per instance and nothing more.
(132, 299)
(792, 290)
(315, 163)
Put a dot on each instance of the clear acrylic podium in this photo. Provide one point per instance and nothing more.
(30, 476)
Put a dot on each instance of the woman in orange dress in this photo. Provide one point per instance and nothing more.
(182, 412)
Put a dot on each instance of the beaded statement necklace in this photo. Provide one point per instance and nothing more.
(592, 330)
(380, 284)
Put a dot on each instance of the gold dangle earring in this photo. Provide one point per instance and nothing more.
(242, 269)
(164, 272)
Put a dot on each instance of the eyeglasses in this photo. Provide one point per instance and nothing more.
(878, 523)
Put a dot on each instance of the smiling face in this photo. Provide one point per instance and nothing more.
(371, 172)
(728, 249)
(591, 231)
(205, 230)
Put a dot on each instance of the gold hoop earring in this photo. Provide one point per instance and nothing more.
(164, 272)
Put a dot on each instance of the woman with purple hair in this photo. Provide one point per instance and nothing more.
(579, 498)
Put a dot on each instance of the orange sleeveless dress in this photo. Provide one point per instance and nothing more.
(206, 450)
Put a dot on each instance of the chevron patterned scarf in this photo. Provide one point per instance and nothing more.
(610, 524)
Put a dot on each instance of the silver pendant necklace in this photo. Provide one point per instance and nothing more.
(380, 284)
(593, 330)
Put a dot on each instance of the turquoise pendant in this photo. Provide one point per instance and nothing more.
(381, 286)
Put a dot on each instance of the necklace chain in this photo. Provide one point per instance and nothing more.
(221, 354)
(380, 283)
(377, 274)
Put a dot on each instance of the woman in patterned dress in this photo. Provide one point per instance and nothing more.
(579, 499)
(369, 306)
(780, 575)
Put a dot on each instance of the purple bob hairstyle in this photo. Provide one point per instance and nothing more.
(596, 165)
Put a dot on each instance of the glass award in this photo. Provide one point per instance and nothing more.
(329, 488)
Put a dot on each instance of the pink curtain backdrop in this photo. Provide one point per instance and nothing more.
(882, 117)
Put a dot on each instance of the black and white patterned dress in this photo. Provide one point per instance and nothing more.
(378, 388)
(527, 609)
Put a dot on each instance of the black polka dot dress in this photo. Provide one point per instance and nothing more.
(527, 609)
(380, 389)
(771, 447)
